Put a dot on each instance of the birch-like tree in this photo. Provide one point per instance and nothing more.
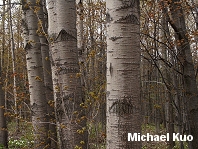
(38, 100)
(65, 73)
(42, 31)
(13, 66)
(123, 73)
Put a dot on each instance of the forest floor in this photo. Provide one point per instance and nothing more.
(157, 144)
(24, 138)
(153, 144)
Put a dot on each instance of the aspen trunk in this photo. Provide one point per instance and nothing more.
(65, 74)
(38, 100)
(14, 69)
(42, 31)
(123, 73)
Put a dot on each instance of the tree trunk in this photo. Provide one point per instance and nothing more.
(65, 72)
(13, 69)
(80, 44)
(42, 30)
(3, 126)
(123, 73)
(38, 100)
(3, 38)
(167, 76)
(185, 59)
(79, 25)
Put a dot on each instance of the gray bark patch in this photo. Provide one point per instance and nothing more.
(128, 19)
(65, 36)
(108, 18)
(63, 70)
(126, 4)
(121, 107)
(115, 38)
(68, 104)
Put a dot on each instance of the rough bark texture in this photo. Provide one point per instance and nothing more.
(169, 101)
(185, 55)
(65, 73)
(80, 42)
(12, 42)
(79, 26)
(123, 73)
(38, 101)
(47, 78)
(3, 127)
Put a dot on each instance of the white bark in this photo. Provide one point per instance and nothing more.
(79, 25)
(123, 73)
(38, 101)
(47, 78)
(80, 42)
(66, 84)
(13, 68)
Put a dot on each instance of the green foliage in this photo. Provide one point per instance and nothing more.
(2, 146)
(21, 143)
(177, 146)
(22, 139)
(150, 128)
(96, 136)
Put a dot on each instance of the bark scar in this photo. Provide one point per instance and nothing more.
(115, 38)
(64, 35)
(111, 69)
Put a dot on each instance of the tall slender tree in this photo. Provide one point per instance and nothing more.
(13, 66)
(177, 21)
(42, 31)
(3, 126)
(65, 73)
(123, 73)
(169, 102)
(38, 100)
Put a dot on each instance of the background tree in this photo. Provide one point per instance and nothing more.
(94, 57)
(42, 32)
(187, 68)
(3, 126)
